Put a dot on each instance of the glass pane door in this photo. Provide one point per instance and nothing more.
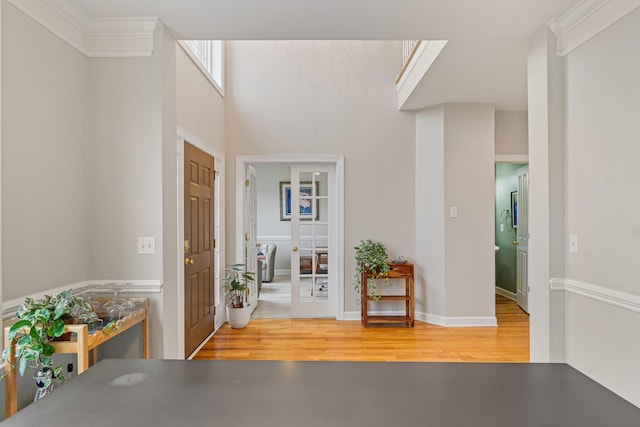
(312, 293)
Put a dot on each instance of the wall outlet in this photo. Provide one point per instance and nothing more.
(573, 243)
(502, 228)
(146, 245)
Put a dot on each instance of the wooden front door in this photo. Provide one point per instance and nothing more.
(198, 247)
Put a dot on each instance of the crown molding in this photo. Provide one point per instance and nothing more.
(121, 37)
(94, 37)
(586, 19)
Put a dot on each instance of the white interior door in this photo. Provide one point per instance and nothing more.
(521, 217)
(250, 232)
(313, 240)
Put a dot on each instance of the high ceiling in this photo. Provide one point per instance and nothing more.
(503, 27)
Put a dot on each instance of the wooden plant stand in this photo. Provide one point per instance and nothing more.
(398, 271)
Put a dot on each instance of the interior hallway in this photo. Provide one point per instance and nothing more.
(332, 340)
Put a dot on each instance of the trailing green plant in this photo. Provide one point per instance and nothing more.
(39, 322)
(371, 257)
(237, 284)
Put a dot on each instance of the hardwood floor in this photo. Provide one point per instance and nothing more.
(332, 340)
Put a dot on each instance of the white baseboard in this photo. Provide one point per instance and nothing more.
(460, 321)
(505, 293)
(478, 321)
(282, 272)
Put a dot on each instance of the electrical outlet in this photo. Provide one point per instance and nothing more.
(146, 245)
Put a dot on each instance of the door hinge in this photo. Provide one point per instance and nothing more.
(214, 243)
(246, 182)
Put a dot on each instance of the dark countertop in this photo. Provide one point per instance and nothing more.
(328, 394)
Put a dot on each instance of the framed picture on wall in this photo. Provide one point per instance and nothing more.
(514, 209)
(307, 211)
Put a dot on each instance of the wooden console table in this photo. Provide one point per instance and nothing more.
(398, 271)
(81, 346)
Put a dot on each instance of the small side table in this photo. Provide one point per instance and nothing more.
(398, 271)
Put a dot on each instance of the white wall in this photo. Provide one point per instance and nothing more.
(200, 107)
(512, 133)
(469, 170)
(125, 166)
(602, 150)
(455, 272)
(335, 98)
(44, 190)
(430, 212)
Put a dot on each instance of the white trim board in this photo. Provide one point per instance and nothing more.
(505, 293)
(586, 19)
(609, 296)
(450, 322)
(94, 37)
(275, 238)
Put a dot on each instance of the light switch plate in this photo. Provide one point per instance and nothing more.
(573, 243)
(146, 245)
(453, 212)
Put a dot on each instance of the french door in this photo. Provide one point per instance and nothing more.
(250, 250)
(313, 241)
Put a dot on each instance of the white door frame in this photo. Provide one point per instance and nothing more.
(219, 162)
(338, 161)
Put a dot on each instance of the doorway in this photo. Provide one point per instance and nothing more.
(275, 219)
(511, 230)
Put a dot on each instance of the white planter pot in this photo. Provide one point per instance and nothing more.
(238, 318)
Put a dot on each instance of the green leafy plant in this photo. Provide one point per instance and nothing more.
(371, 257)
(236, 282)
(40, 321)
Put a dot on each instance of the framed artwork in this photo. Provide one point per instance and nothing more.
(514, 209)
(307, 210)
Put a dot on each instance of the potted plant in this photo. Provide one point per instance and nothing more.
(371, 258)
(236, 282)
(40, 321)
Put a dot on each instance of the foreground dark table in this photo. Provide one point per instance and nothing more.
(279, 394)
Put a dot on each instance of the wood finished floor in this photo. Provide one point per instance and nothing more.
(332, 340)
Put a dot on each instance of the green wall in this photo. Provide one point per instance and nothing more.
(506, 182)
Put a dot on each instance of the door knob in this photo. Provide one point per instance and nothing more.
(188, 261)
(516, 243)
(294, 249)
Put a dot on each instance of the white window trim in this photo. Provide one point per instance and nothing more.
(203, 70)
